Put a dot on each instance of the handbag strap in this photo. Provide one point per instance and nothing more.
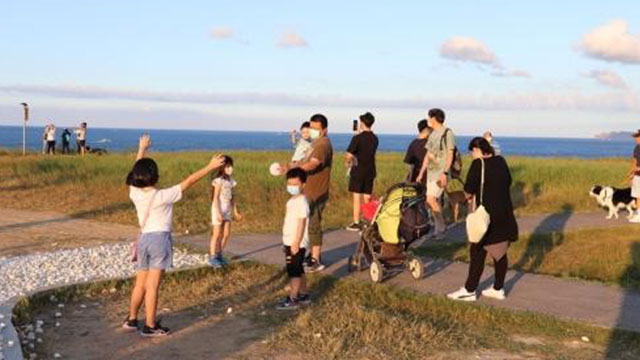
(482, 182)
(148, 212)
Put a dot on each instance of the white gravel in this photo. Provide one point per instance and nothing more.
(22, 275)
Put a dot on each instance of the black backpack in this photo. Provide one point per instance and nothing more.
(456, 164)
(415, 221)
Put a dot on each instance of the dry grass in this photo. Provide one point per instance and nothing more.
(94, 187)
(351, 319)
(606, 255)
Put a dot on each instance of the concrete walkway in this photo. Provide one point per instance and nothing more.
(587, 302)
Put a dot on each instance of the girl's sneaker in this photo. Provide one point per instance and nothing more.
(494, 294)
(222, 260)
(130, 325)
(288, 304)
(215, 262)
(155, 331)
(463, 295)
(304, 299)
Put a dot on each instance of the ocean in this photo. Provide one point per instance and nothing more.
(115, 140)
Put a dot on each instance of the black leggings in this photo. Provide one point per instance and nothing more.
(476, 266)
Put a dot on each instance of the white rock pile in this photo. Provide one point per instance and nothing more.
(21, 275)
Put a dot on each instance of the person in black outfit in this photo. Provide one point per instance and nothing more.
(417, 151)
(503, 227)
(66, 140)
(361, 158)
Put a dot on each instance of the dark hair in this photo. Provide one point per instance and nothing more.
(367, 119)
(482, 144)
(319, 118)
(422, 124)
(228, 160)
(305, 124)
(143, 174)
(297, 173)
(438, 114)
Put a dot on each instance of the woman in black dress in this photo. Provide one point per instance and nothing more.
(503, 227)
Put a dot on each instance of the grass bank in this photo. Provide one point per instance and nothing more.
(348, 319)
(93, 186)
(608, 255)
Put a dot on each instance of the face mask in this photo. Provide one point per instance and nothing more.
(228, 170)
(293, 189)
(314, 133)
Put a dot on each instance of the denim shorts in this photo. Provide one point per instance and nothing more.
(155, 251)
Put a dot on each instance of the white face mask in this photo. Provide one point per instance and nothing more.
(293, 190)
(314, 133)
(228, 170)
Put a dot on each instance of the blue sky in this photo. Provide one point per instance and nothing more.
(539, 69)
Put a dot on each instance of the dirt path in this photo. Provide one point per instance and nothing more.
(23, 232)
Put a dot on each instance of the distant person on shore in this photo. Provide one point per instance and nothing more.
(45, 134)
(361, 159)
(492, 141)
(66, 141)
(81, 138)
(295, 238)
(437, 166)
(51, 139)
(318, 167)
(154, 252)
(223, 210)
(634, 177)
(503, 228)
(303, 144)
(417, 151)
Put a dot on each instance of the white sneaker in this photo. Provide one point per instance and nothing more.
(493, 293)
(635, 219)
(463, 295)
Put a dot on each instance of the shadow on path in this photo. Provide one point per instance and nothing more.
(540, 243)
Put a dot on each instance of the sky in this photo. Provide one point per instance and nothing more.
(544, 68)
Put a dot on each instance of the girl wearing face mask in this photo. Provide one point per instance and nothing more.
(223, 210)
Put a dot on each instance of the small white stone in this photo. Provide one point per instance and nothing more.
(229, 310)
(57, 356)
(39, 330)
(2, 326)
(186, 231)
(58, 314)
(585, 339)
(60, 305)
(83, 306)
(57, 324)
(39, 340)
(317, 335)
(31, 346)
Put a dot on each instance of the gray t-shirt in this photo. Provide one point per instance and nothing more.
(636, 155)
(437, 150)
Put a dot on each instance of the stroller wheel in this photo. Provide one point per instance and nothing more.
(376, 271)
(416, 268)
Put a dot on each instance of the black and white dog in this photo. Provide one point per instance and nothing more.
(613, 199)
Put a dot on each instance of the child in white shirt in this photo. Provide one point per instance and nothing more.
(154, 247)
(223, 210)
(295, 238)
(302, 145)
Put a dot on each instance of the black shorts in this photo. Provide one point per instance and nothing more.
(361, 184)
(82, 143)
(295, 263)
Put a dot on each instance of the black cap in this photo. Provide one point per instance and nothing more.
(636, 134)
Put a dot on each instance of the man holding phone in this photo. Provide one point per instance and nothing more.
(361, 158)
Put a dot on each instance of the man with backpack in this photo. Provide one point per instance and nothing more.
(442, 163)
(66, 140)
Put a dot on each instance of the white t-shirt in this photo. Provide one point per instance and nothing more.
(297, 208)
(161, 211)
(226, 192)
(51, 134)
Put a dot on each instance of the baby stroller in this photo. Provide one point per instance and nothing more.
(400, 218)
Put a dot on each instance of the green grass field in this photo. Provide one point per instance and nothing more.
(93, 186)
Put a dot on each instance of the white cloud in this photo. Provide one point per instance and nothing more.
(608, 78)
(467, 49)
(290, 39)
(222, 32)
(571, 100)
(460, 48)
(612, 42)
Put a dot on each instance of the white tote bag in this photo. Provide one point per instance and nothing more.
(478, 221)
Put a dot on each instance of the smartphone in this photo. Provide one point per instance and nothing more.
(355, 125)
